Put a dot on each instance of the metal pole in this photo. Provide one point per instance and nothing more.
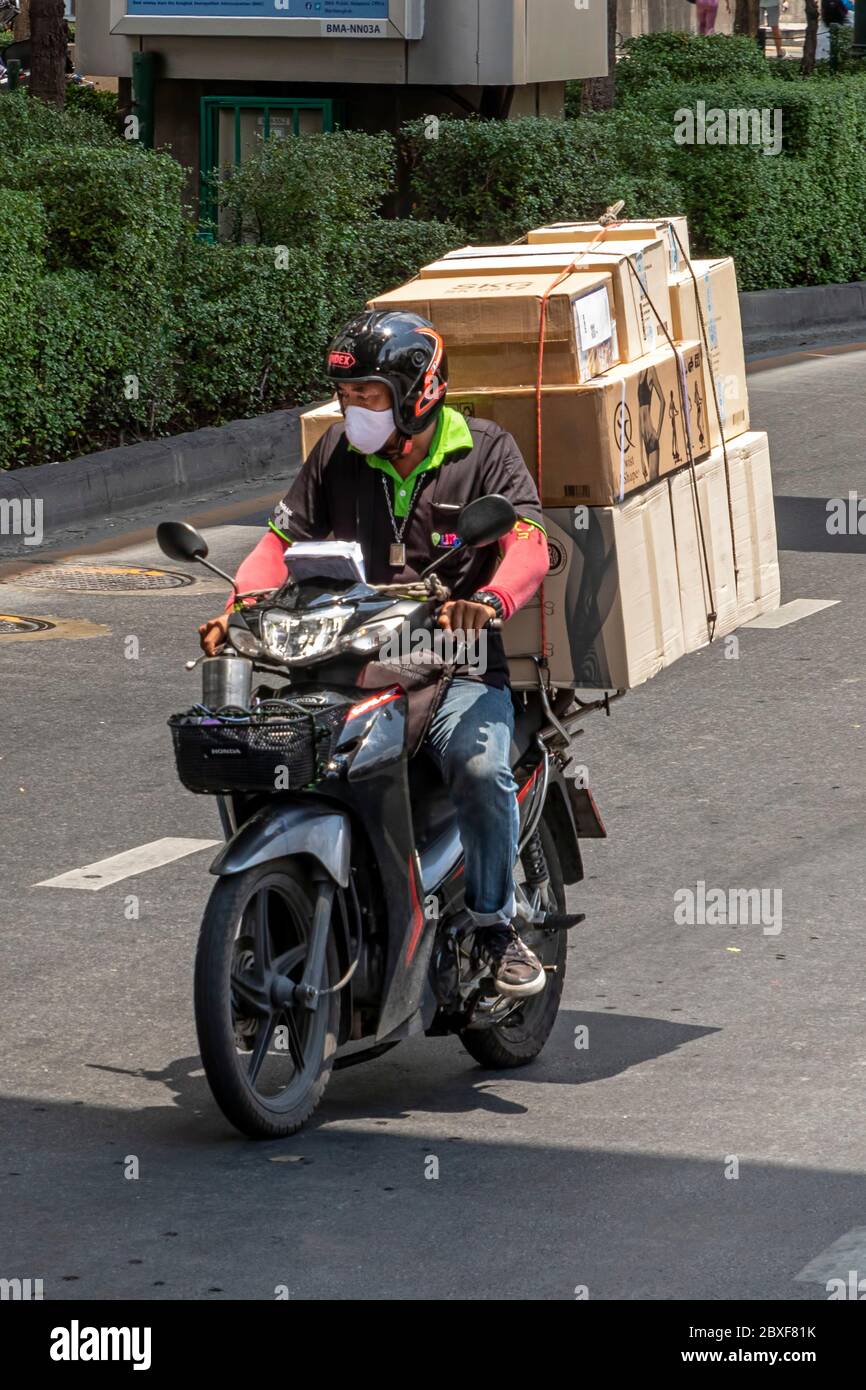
(143, 77)
(858, 48)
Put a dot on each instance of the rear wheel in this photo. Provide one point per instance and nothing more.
(519, 1038)
(267, 1062)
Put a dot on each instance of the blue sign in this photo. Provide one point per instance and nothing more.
(260, 9)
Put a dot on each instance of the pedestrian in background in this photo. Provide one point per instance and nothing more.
(707, 11)
(771, 21)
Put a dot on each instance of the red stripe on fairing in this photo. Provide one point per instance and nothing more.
(526, 786)
(373, 702)
(417, 915)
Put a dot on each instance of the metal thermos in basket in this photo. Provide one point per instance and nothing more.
(227, 681)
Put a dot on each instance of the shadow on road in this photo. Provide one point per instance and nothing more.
(801, 524)
(584, 1047)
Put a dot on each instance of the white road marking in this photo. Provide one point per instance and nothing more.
(104, 872)
(792, 612)
(836, 1262)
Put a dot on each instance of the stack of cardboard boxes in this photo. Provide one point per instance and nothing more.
(657, 497)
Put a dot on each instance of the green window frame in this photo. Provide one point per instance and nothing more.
(209, 126)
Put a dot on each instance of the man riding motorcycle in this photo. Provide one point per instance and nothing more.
(393, 476)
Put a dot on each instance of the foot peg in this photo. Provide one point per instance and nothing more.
(562, 921)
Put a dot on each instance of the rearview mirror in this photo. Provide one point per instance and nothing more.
(485, 520)
(180, 541)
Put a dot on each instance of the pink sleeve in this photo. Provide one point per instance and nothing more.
(263, 568)
(525, 562)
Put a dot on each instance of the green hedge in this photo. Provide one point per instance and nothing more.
(291, 190)
(497, 179)
(654, 59)
(22, 246)
(26, 125)
(788, 219)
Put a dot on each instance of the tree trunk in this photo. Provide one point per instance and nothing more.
(810, 43)
(48, 40)
(21, 24)
(747, 17)
(599, 93)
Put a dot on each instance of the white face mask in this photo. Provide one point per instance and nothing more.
(369, 430)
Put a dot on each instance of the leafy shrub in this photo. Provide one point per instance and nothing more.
(252, 331)
(380, 254)
(22, 244)
(497, 179)
(27, 124)
(95, 102)
(81, 350)
(115, 209)
(289, 190)
(654, 59)
(771, 211)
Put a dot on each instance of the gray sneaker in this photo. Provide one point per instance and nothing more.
(517, 971)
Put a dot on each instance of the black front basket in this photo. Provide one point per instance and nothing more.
(264, 751)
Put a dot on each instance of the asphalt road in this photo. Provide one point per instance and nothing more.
(608, 1168)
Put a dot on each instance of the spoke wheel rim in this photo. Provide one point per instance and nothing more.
(279, 1047)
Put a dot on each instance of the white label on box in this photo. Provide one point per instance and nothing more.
(592, 318)
(673, 249)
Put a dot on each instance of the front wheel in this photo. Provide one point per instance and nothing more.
(519, 1038)
(267, 1062)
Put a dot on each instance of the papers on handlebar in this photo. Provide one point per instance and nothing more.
(340, 560)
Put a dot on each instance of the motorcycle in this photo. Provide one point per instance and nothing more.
(334, 930)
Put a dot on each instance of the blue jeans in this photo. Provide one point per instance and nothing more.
(470, 740)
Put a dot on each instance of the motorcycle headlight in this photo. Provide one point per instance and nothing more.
(373, 636)
(298, 638)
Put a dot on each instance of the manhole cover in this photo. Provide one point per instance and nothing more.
(9, 623)
(100, 578)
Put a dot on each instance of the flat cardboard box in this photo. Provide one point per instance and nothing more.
(755, 546)
(603, 440)
(705, 552)
(725, 364)
(315, 423)
(636, 289)
(612, 607)
(671, 228)
(491, 324)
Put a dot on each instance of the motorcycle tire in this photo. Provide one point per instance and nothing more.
(227, 955)
(519, 1039)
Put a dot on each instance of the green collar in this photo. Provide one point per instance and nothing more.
(452, 434)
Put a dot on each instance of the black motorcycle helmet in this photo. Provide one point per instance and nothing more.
(402, 350)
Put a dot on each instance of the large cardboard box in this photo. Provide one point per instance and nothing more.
(639, 272)
(612, 606)
(604, 440)
(491, 324)
(705, 552)
(674, 230)
(315, 423)
(755, 546)
(725, 363)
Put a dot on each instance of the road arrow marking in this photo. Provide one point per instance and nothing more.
(104, 872)
(792, 612)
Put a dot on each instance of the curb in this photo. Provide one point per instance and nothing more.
(827, 314)
(245, 453)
